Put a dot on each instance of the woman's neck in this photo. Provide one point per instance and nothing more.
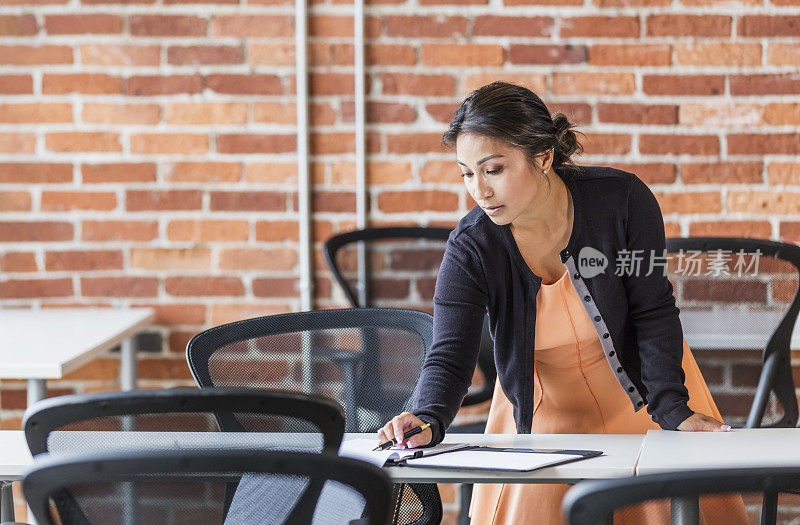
(553, 225)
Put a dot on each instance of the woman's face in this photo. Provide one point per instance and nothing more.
(499, 178)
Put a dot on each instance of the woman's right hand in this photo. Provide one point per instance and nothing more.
(401, 423)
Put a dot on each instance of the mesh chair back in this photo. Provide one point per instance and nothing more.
(156, 419)
(740, 296)
(169, 487)
(401, 268)
(768, 496)
(368, 359)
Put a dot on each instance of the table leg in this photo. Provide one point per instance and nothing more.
(37, 390)
(685, 510)
(6, 502)
(127, 365)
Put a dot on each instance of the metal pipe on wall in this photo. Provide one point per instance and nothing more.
(361, 177)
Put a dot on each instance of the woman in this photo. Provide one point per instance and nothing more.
(582, 340)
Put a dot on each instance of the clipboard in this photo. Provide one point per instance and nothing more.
(495, 458)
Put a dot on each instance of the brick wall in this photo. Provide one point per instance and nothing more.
(147, 147)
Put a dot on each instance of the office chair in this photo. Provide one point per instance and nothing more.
(188, 486)
(758, 290)
(367, 358)
(763, 489)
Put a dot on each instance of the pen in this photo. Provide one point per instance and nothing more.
(413, 432)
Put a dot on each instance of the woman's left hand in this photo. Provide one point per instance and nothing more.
(701, 423)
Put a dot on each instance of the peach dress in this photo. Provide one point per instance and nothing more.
(575, 392)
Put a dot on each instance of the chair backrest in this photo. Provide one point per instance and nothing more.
(742, 295)
(763, 491)
(401, 268)
(368, 359)
(167, 418)
(188, 486)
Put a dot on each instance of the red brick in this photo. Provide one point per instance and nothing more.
(333, 201)
(722, 173)
(150, 85)
(17, 143)
(765, 84)
(766, 202)
(277, 259)
(277, 231)
(642, 114)
(118, 173)
(415, 143)
(35, 113)
(762, 143)
(417, 85)
(630, 55)
(178, 340)
(547, 54)
(117, 1)
(45, 231)
(74, 141)
(120, 55)
(783, 54)
(32, 55)
(203, 172)
(271, 172)
(688, 25)
(162, 368)
(77, 200)
(199, 113)
(389, 55)
(380, 112)
(104, 231)
(490, 25)
(204, 285)
(95, 370)
(15, 201)
(166, 143)
(282, 54)
(679, 144)
(762, 25)
(16, 399)
(83, 260)
(721, 114)
(333, 26)
(411, 201)
(753, 229)
(34, 288)
(609, 83)
(171, 258)
(783, 173)
(695, 202)
(778, 114)
(146, 200)
(82, 24)
(256, 84)
(121, 113)
(698, 53)
(709, 85)
(178, 314)
(197, 55)
(208, 230)
(18, 262)
(23, 25)
(483, 55)
(16, 84)
(167, 25)
(536, 82)
(256, 143)
(426, 26)
(333, 84)
(248, 201)
(248, 26)
(600, 27)
(275, 287)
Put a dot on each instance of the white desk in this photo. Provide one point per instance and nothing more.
(665, 451)
(38, 345)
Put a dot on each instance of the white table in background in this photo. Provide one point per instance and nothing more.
(666, 451)
(732, 329)
(38, 345)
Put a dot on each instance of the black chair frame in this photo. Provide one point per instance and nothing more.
(49, 476)
(593, 501)
(776, 372)
(49, 414)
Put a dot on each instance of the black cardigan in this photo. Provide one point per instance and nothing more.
(634, 313)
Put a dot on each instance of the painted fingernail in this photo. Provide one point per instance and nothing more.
(726, 427)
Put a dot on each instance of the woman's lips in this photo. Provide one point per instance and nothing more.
(493, 210)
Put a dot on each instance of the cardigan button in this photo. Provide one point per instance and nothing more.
(577, 276)
(611, 354)
(631, 389)
(605, 335)
(619, 370)
(597, 318)
(587, 298)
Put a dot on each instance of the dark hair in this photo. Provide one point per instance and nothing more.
(516, 115)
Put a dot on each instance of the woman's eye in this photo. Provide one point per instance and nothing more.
(466, 174)
(494, 172)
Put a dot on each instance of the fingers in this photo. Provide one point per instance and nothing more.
(398, 425)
